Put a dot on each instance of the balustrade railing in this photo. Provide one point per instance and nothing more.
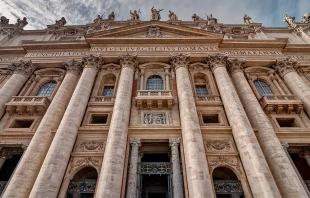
(158, 168)
(228, 187)
(82, 186)
(154, 93)
(208, 98)
(102, 99)
(280, 97)
(2, 186)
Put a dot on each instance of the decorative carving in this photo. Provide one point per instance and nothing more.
(211, 20)
(134, 15)
(172, 16)
(128, 60)
(22, 67)
(247, 20)
(153, 31)
(218, 145)
(228, 187)
(293, 26)
(174, 142)
(285, 66)
(216, 60)
(98, 19)
(21, 23)
(235, 65)
(290, 21)
(135, 142)
(197, 18)
(92, 145)
(84, 161)
(155, 168)
(4, 20)
(156, 14)
(73, 66)
(180, 60)
(111, 16)
(305, 18)
(285, 145)
(232, 161)
(61, 22)
(8, 152)
(92, 61)
(154, 119)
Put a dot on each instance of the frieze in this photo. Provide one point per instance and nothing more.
(218, 145)
(55, 54)
(10, 59)
(159, 49)
(252, 53)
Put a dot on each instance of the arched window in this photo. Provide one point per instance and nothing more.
(262, 88)
(47, 89)
(154, 83)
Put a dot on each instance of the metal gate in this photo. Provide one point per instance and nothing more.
(155, 168)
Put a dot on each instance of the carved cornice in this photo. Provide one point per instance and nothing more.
(235, 65)
(216, 60)
(92, 61)
(128, 60)
(286, 66)
(174, 142)
(180, 60)
(73, 66)
(135, 142)
(22, 67)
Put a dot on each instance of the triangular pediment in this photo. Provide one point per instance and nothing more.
(142, 30)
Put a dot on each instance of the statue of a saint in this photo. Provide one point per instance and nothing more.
(134, 15)
(289, 20)
(211, 19)
(21, 23)
(111, 16)
(172, 16)
(197, 18)
(4, 20)
(305, 18)
(155, 14)
(98, 19)
(61, 22)
(247, 20)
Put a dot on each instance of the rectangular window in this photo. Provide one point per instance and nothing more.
(99, 119)
(287, 122)
(108, 91)
(201, 90)
(21, 124)
(212, 118)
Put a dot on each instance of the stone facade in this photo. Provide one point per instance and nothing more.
(155, 109)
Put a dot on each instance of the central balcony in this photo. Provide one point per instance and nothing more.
(208, 100)
(101, 100)
(154, 99)
(28, 104)
(281, 103)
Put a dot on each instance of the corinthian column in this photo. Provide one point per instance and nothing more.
(287, 69)
(133, 170)
(199, 181)
(286, 178)
(22, 70)
(258, 173)
(54, 166)
(176, 168)
(111, 175)
(23, 178)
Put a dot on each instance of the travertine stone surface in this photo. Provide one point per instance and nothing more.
(54, 166)
(22, 71)
(176, 168)
(283, 172)
(132, 176)
(23, 179)
(258, 173)
(110, 179)
(198, 176)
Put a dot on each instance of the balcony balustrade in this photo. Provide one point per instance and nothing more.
(228, 187)
(208, 100)
(82, 186)
(281, 103)
(154, 99)
(28, 104)
(157, 168)
(101, 100)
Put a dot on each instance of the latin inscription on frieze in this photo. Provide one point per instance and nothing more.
(252, 53)
(9, 59)
(55, 54)
(301, 57)
(154, 49)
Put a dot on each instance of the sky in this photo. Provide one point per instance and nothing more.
(44, 12)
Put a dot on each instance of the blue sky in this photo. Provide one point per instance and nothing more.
(44, 12)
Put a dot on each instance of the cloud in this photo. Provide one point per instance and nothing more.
(44, 12)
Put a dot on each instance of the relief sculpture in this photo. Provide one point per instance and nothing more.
(154, 119)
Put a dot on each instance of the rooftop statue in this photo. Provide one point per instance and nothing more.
(247, 19)
(21, 23)
(155, 14)
(135, 15)
(197, 18)
(289, 20)
(4, 20)
(305, 18)
(61, 22)
(98, 19)
(111, 16)
(211, 19)
(172, 16)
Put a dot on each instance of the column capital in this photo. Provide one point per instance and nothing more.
(73, 66)
(22, 67)
(285, 145)
(174, 142)
(135, 142)
(304, 154)
(216, 60)
(128, 60)
(180, 60)
(285, 66)
(235, 65)
(92, 61)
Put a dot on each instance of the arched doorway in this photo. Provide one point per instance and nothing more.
(83, 184)
(226, 183)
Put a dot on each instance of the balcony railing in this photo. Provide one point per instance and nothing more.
(154, 99)
(102, 99)
(2, 186)
(228, 187)
(82, 186)
(158, 168)
(154, 93)
(281, 103)
(209, 100)
(28, 104)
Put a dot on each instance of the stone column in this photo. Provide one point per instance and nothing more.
(22, 70)
(286, 178)
(176, 168)
(142, 78)
(133, 170)
(306, 155)
(23, 179)
(257, 170)
(197, 171)
(111, 175)
(287, 69)
(167, 78)
(54, 166)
